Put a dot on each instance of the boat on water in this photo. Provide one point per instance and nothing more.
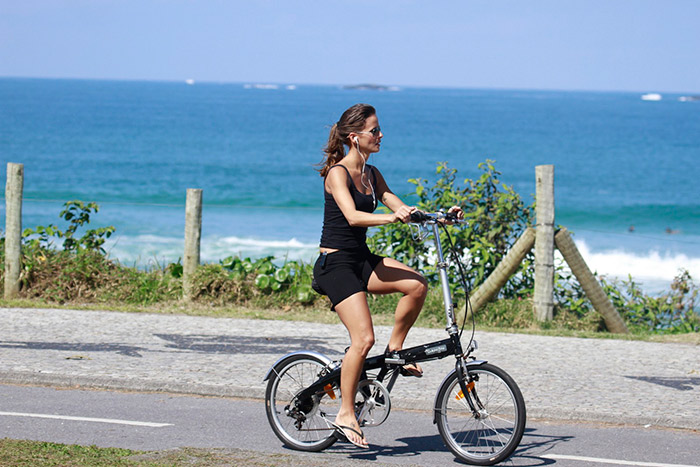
(652, 96)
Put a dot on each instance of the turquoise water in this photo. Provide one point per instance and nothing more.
(135, 147)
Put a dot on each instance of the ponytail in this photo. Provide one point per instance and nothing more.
(334, 150)
(352, 120)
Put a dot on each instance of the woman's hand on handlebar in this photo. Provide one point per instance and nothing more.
(455, 211)
(403, 214)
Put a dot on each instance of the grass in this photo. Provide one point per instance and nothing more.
(44, 454)
(38, 453)
(86, 279)
(508, 316)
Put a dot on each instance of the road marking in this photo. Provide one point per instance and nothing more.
(86, 419)
(613, 461)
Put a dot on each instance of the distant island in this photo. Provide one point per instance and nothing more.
(371, 87)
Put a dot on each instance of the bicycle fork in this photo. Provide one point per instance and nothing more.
(468, 390)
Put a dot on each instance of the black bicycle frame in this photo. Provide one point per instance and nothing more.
(421, 353)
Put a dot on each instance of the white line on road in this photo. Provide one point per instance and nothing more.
(86, 419)
(613, 461)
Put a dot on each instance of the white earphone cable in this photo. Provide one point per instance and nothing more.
(362, 176)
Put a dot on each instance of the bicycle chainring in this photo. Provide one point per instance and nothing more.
(372, 403)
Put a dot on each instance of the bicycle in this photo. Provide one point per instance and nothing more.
(479, 409)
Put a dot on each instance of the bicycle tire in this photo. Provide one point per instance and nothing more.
(307, 429)
(494, 435)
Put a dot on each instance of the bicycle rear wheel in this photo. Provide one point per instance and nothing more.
(301, 424)
(490, 435)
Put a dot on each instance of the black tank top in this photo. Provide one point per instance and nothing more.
(337, 232)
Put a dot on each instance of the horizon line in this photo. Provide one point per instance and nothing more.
(291, 83)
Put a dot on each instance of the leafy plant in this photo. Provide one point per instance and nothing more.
(671, 312)
(77, 214)
(495, 217)
(269, 278)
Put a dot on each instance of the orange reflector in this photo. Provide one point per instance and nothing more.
(460, 394)
(329, 390)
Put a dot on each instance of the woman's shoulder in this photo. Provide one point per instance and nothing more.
(330, 170)
(336, 176)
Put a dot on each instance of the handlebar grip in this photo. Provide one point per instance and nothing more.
(451, 216)
(418, 216)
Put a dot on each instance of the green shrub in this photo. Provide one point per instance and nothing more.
(675, 311)
(495, 217)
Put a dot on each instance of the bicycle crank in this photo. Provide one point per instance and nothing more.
(372, 403)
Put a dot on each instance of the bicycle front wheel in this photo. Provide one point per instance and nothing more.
(492, 430)
(301, 424)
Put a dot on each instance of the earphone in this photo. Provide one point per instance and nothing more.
(362, 176)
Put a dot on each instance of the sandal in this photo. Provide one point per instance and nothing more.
(343, 429)
(411, 370)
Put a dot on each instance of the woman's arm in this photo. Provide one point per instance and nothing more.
(337, 185)
(385, 195)
(393, 202)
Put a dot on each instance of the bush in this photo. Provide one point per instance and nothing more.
(675, 311)
(495, 217)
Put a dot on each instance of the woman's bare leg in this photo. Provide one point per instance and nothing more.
(354, 313)
(392, 276)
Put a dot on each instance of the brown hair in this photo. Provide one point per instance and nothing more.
(352, 120)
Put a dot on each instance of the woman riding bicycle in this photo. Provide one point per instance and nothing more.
(346, 270)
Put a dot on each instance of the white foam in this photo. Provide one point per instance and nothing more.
(653, 267)
(145, 249)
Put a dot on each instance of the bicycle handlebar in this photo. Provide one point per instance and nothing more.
(420, 217)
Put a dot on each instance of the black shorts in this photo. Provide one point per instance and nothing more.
(343, 273)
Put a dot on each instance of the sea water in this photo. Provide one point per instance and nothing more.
(626, 170)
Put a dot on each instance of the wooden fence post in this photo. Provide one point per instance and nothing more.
(13, 228)
(543, 300)
(506, 268)
(595, 293)
(193, 233)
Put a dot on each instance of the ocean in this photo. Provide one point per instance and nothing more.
(135, 148)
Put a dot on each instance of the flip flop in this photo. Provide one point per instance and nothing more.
(342, 430)
(410, 369)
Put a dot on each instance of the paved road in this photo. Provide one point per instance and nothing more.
(237, 430)
(618, 381)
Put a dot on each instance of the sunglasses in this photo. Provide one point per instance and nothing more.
(374, 131)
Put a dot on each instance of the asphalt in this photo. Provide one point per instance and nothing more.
(561, 378)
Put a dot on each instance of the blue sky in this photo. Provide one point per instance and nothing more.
(632, 45)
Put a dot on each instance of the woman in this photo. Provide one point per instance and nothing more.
(346, 270)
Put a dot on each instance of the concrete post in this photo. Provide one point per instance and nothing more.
(13, 228)
(193, 234)
(543, 300)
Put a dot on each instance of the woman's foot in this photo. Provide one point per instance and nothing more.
(412, 369)
(352, 432)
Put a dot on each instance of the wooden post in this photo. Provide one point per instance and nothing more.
(543, 300)
(193, 233)
(13, 228)
(506, 268)
(595, 293)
